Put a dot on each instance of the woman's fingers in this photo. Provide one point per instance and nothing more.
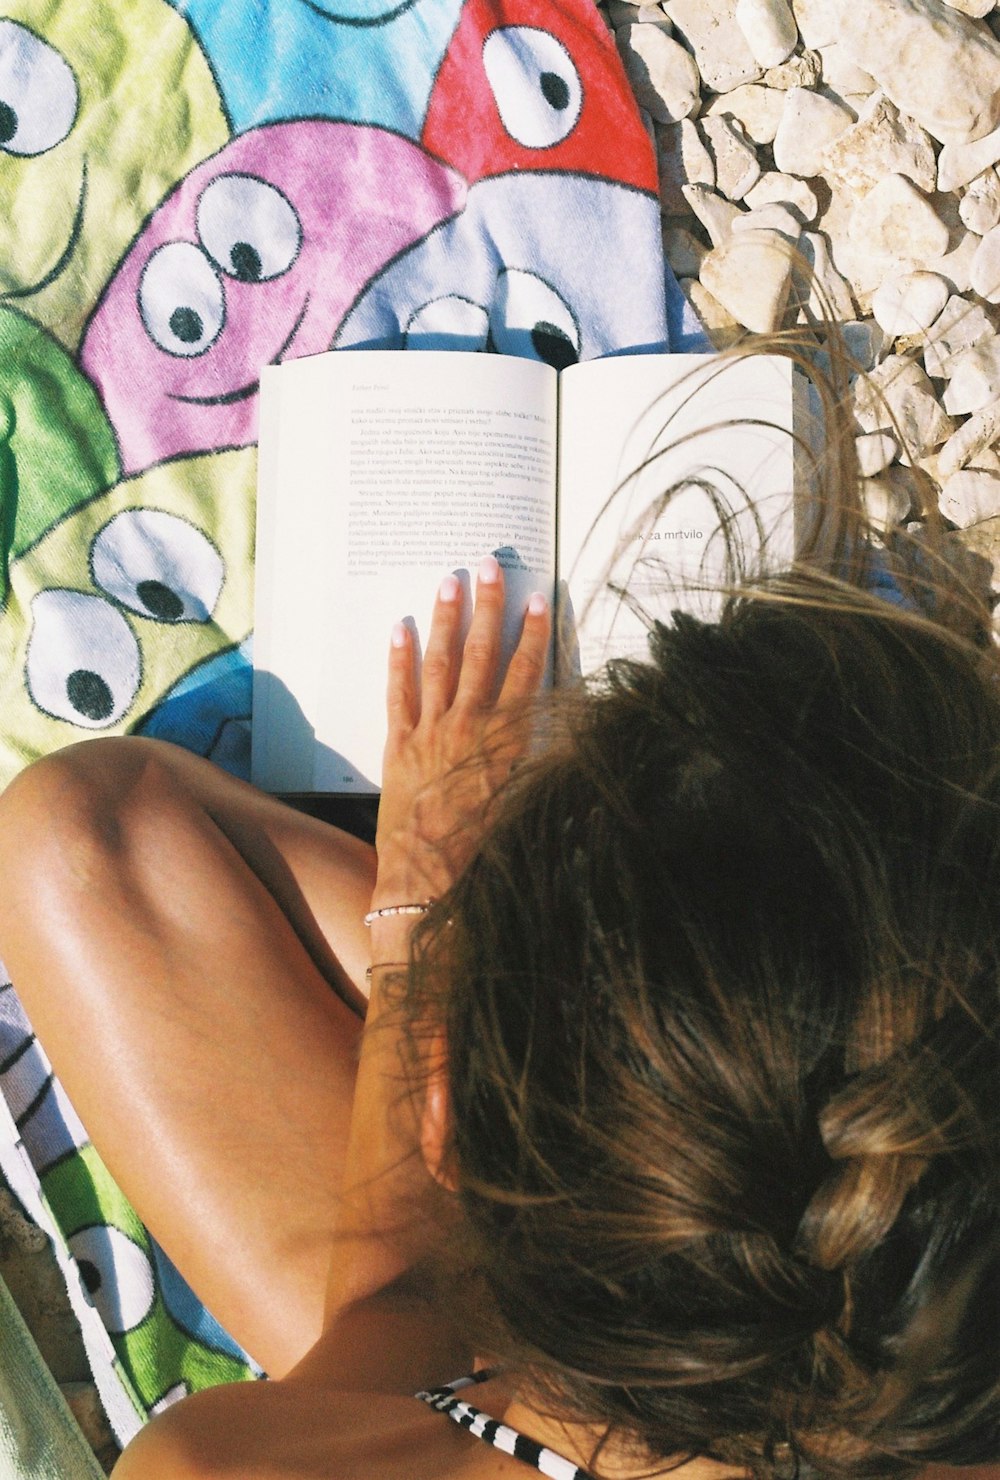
(453, 673)
(526, 669)
(439, 669)
(481, 653)
(402, 704)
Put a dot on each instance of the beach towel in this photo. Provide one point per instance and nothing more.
(193, 190)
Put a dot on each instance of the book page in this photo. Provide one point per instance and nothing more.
(633, 428)
(392, 469)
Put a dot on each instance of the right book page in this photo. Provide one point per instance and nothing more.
(665, 461)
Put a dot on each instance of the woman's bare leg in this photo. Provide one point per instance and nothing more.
(184, 947)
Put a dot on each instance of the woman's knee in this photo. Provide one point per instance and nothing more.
(78, 806)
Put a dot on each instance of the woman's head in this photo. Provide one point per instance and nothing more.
(720, 990)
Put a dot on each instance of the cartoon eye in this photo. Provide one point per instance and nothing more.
(116, 1274)
(38, 92)
(157, 565)
(530, 318)
(536, 87)
(181, 300)
(248, 228)
(83, 661)
(451, 322)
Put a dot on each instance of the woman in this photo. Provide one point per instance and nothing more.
(674, 1115)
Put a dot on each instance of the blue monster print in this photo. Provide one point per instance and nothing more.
(364, 61)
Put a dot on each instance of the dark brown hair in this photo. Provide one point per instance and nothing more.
(720, 990)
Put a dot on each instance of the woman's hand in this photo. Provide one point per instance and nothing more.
(454, 732)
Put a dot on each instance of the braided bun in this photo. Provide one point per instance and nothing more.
(724, 1065)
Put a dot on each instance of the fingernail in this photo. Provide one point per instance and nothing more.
(449, 589)
(537, 604)
(489, 570)
(399, 635)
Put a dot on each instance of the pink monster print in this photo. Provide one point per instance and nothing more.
(514, 95)
(254, 258)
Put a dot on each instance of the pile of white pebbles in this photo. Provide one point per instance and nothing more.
(865, 134)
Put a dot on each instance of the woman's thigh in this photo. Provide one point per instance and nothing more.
(186, 949)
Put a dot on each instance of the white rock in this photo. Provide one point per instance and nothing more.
(714, 212)
(802, 70)
(959, 163)
(757, 108)
(976, 8)
(787, 190)
(895, 220)
(883, 142)
(987, 461)
(970, 496)
(653, 15)
(979, 207)
(908, 302)
(876, 451)
(773, 217)
(956, 265)
(736, 166)
(986, 267)
(961, 324)
(863, 342)
(809, 123)
(769, 28)
(973, 438)
(934, 63)
(973, 378)
(622, 13)
(682, 160)
(828, 291)
(886, 499)
(683, 250)
(843, 75)
(720, 326)
(720, 48)
(982, 541)
(897, 396)
(817, 20)
(751, 276)
(664, 77)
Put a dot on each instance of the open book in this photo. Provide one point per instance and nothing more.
(379, 471)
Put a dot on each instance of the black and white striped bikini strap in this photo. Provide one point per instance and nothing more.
(500, 1435)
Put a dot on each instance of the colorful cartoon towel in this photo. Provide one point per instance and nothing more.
(193, 190)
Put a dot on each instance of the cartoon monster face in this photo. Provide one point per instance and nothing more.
(514, 95)
(526, 270)
(57, 448)
(254, 259)
(367, 61)
(123, 598)
(84, 88)
(167, 1342)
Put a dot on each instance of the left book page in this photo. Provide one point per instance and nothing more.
(379, 472)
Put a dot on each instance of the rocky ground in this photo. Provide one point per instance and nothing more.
(33, 1278)
(867, 137)
(866, 134)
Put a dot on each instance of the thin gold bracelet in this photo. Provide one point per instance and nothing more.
(383, 965)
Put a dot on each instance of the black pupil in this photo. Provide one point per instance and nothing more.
(555, 90)
(553, 346)
(247, 265)
(90, 1275)
(89, 694)
(8, 123)
(187, 325)
(158, 599)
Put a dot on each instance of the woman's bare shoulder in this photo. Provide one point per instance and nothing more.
(289, 1431)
